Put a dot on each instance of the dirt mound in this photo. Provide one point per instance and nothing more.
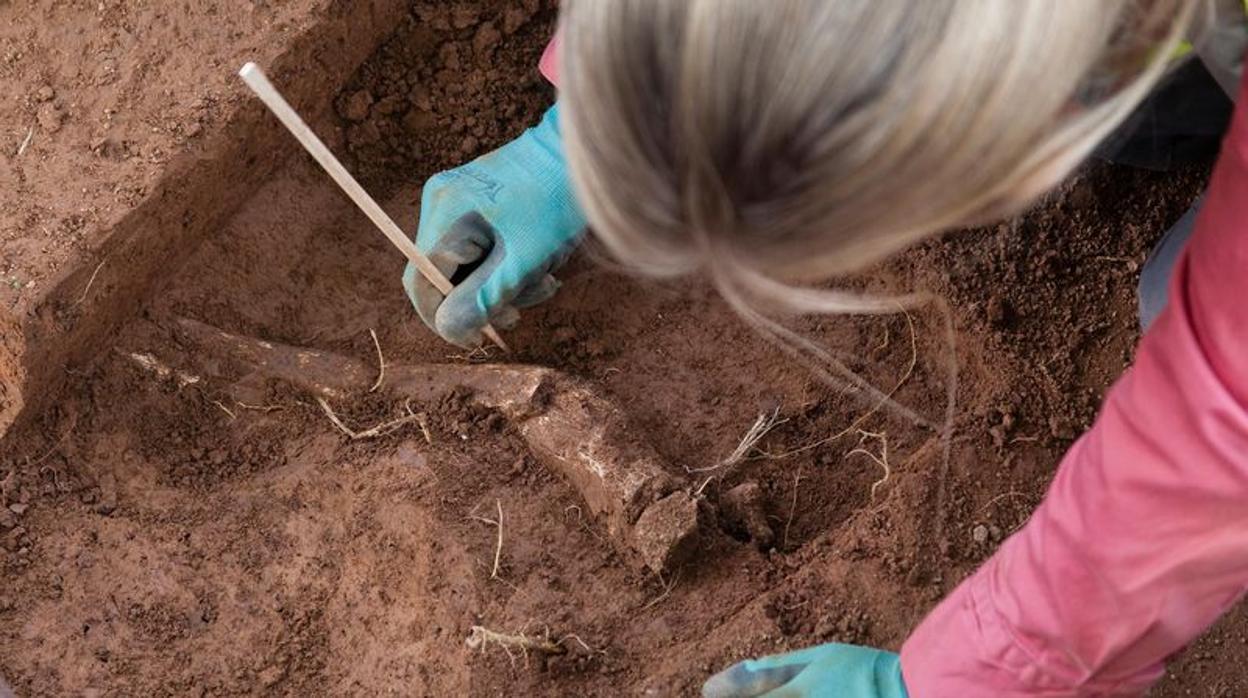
(182, 524)
(454, 82)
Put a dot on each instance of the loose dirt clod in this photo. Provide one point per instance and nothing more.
(666, 533)
(742, 510)
(568, 426)
(107, 503)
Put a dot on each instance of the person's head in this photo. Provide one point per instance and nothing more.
(765, 142)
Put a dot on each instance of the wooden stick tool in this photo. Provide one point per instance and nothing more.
(259, 83)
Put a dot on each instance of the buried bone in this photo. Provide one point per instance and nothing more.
(568, 426)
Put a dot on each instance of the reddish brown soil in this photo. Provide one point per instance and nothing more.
(100, 96)
(126, 140)
(223, 537)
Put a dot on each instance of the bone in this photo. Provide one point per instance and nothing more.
(567, 425)
(327, 375)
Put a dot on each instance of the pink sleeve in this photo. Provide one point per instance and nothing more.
(550, 61)
(1142, 540)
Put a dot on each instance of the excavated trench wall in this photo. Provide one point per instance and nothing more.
(47, 332)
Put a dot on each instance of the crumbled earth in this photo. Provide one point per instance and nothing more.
(163, 532)
(454, 82)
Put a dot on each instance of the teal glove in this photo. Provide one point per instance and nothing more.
(497, 227)
(826, 671)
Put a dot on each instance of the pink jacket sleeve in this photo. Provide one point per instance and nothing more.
(1142, 540)
(550, 61)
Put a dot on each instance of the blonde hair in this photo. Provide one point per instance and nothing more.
(767, 142)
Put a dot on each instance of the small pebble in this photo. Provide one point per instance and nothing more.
(980, 534)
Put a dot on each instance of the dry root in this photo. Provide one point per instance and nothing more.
(914, 360)
(880, 460)
(761, 427)
(479, 355)
(221, 406)
(498, 548)
(667, 590)
(1002, 497)
(381, 362)
(30, 135)
(480, 637)
(788, 523)
(261, 408)
(91, 281)
(379, 430)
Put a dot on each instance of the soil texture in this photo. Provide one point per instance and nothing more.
(174, 524)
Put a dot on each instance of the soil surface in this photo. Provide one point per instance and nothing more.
(126, 140)
(174, 525)
(99, 96)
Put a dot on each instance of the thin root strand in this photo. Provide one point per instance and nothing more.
(880, 460)
(374, 432)
(498, 523)
(761, 427)
(481, 637)
(498, 548)
(788, 523)
(30, 135)
(381, 362)
(221, 406)
(91, 281)
(914, 360)
(667, 591)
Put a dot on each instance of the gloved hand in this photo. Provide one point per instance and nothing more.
(826, 671)
(497, 227)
